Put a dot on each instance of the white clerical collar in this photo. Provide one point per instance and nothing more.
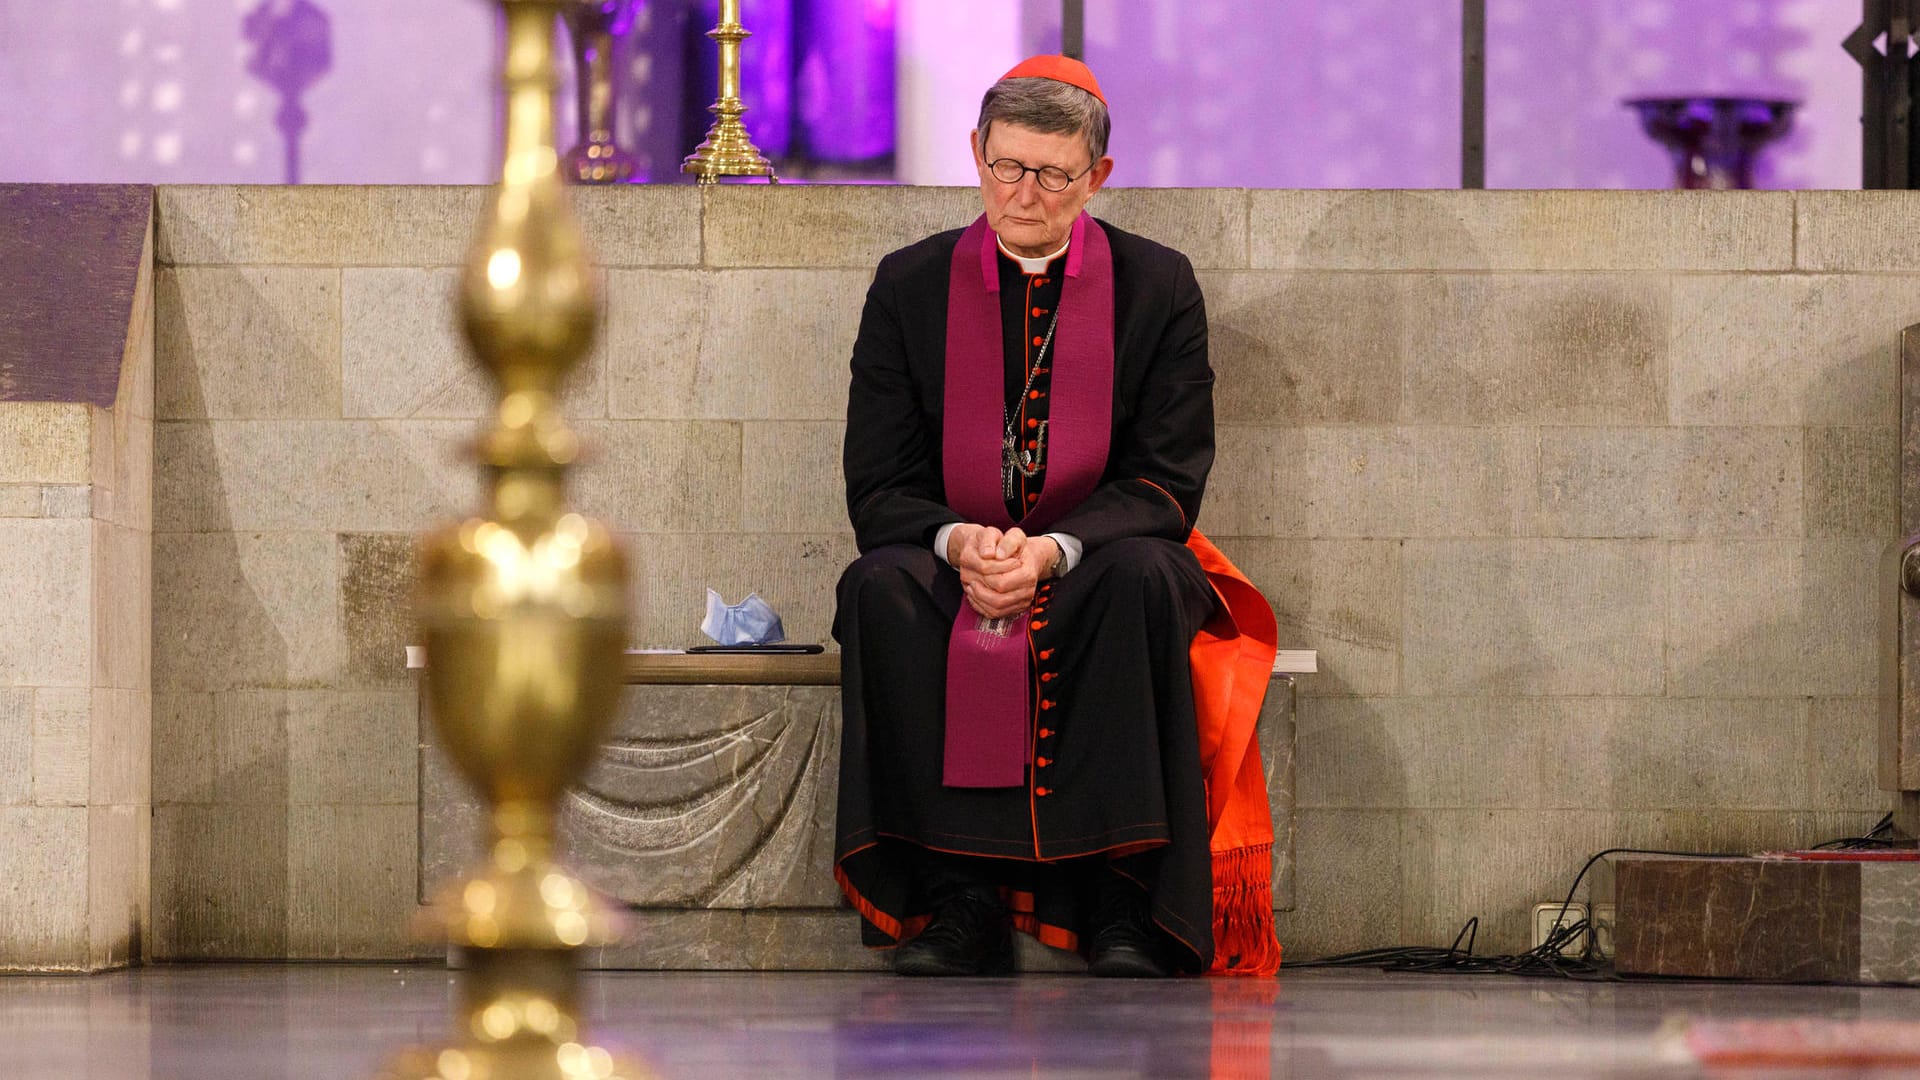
(1032, 266)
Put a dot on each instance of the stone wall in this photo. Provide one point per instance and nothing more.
(1577, 493)
(75, 535)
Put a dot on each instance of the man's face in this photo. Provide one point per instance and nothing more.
(1029, 219)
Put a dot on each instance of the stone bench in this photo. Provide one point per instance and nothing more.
(711, 814)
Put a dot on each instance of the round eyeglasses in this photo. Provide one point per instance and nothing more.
(1051, 177)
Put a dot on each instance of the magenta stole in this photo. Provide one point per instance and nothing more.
(989, 688)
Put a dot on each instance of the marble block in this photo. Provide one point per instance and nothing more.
(1784, 920)
(1276, 757)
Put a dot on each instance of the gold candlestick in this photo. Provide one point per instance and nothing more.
(523, 611)
(728, 150)
(595, 26)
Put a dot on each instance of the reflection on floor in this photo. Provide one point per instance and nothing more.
(306, 1022)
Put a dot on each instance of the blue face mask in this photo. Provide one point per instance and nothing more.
(749, 622)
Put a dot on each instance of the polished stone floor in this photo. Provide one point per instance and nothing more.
(308, 1022)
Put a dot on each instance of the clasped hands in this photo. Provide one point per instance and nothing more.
(1000, 570)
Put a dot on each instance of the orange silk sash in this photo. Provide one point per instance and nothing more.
(1232, 663)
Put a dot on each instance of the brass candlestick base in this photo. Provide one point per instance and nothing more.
(523, 611)
(728, 150)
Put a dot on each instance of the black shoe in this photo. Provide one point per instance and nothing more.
(969, 935)
(1125, 943)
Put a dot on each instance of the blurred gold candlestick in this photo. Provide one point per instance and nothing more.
(728, 150)
(523, 611)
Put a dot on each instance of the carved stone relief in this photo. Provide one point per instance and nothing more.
(704, 797)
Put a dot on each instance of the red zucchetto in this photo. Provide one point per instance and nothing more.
(1060, 69)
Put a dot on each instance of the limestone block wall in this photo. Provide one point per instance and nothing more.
(75, 533)
(1579, 495)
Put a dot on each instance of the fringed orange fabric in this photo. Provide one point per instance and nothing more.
(1244, 942)
(1232, 662)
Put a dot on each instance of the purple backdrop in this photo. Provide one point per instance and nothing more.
(1303, 93)
(1365, 93)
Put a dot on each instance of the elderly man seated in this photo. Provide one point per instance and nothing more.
(1048, 704)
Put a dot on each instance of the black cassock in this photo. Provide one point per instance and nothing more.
(1115, 766)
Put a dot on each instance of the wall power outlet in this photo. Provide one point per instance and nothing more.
(1554, 914)
(1602, 916)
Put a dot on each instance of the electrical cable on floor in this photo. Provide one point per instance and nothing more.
(1544, 959)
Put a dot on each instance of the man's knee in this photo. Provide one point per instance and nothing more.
(1148, 557)
(1159, 570)
(882, 580)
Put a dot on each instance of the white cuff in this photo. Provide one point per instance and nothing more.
(940, 540)
(1070, 549)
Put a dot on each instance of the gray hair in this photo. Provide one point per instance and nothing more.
(1046, 105)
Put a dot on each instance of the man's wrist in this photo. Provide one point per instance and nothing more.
(1070, 549)
(1052, 568)
(943, 542)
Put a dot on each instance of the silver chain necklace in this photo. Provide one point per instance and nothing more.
(1013, 459)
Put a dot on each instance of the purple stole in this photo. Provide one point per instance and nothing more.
(989, 711)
